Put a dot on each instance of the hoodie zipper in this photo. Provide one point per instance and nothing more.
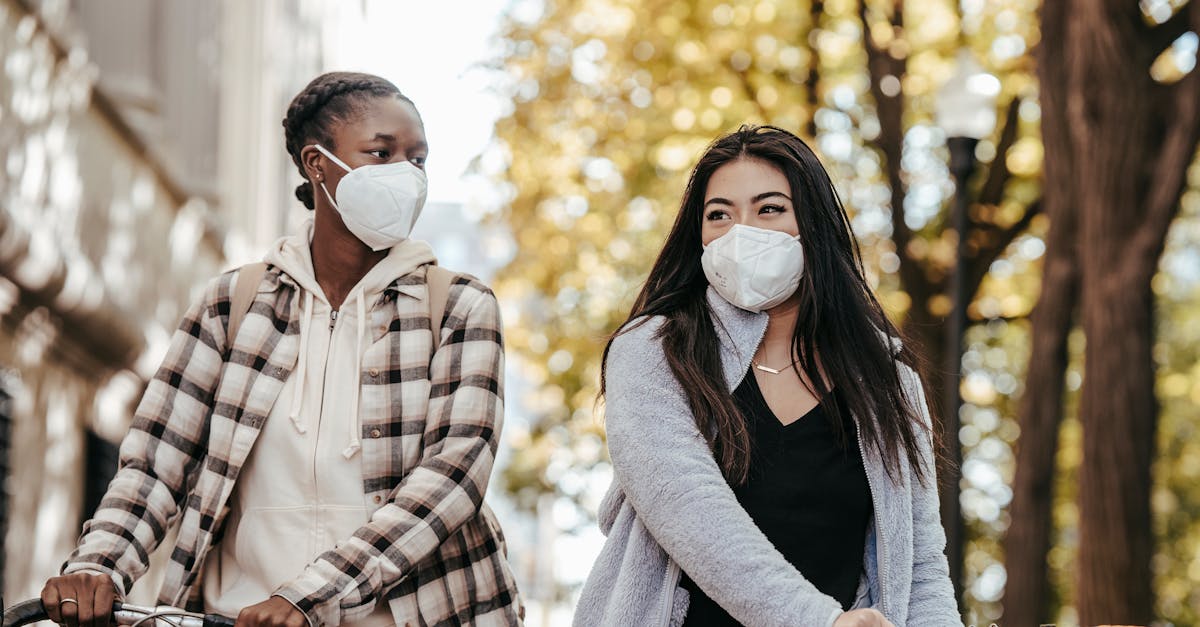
(333, 315)
(879, 553)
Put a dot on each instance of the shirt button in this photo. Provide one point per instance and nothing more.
(383, 329)
(374, 372)
(378, 499)
(375, 433)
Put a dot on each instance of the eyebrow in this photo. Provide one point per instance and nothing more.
(759, 198)
(388, 137)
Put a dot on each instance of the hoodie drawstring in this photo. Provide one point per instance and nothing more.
(296, 415)
(356, 420)
(301, 363)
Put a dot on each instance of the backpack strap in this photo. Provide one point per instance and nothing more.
(244, 290)
(438, 279)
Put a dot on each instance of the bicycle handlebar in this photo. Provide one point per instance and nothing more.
(32, 611)
(24, 613)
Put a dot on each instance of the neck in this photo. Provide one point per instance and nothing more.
(340, 260)
(781, 326)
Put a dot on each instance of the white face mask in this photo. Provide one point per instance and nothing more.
(379, 203)
(754, 268)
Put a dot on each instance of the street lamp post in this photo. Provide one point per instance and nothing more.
(966, 111)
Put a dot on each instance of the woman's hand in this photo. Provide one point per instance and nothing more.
(274, 612)
(80, 599)
(862, 618)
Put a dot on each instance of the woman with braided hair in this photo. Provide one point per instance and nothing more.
(326, 455)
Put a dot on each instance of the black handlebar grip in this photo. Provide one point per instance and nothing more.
(216, 620)
(25, 613)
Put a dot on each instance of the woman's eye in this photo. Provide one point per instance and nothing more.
(771, 209)
(379, 154)
(716, 214)
(418, 161)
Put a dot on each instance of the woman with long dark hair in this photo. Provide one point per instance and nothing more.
(772, 450)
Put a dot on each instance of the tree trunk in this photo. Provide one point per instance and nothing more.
(1132, 142)
(1027, 541)
(923, 280)
(1118, 410)
(930, 331)
(812, 83)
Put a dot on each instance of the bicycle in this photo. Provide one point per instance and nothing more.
(32, 611)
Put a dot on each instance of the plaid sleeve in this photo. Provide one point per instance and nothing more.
(442, 493)
(165, 442)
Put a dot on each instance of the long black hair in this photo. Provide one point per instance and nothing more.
(843, 338)
(330, 98)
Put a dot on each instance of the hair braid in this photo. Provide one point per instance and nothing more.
(330, 97)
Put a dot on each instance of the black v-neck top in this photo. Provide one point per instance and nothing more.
(807, 493)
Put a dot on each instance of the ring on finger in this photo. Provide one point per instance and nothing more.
(68, 600)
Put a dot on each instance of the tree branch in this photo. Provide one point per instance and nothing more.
(979, 263)
(1179, 147)
(992, 191)
(1182, 109)
(1165, 34)
(986, 319)
(743, 77)
(890, 111)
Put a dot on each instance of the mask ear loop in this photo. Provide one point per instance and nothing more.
(329, 196)
(334, 159)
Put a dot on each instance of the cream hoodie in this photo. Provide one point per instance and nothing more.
(301, 490)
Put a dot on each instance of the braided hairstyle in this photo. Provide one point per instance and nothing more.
(330, 98)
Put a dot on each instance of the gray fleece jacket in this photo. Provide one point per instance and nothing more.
(669, 508)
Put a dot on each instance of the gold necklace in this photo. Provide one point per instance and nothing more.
(768, 369)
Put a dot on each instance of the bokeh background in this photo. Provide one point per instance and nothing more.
(141, 154)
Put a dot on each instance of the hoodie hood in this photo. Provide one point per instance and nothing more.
(293, 256)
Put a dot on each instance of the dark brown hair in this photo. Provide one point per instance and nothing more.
(330, 98)
(839, 319)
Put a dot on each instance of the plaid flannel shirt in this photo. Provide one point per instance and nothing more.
(430, 429)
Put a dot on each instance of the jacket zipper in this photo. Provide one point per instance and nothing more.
(672, 582)
(879, 553)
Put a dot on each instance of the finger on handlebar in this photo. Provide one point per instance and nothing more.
(50, 598)
(101, 607)
(68, 606)
(86, 607)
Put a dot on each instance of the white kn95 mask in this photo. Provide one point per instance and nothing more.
(379, 203)
(752, 268)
